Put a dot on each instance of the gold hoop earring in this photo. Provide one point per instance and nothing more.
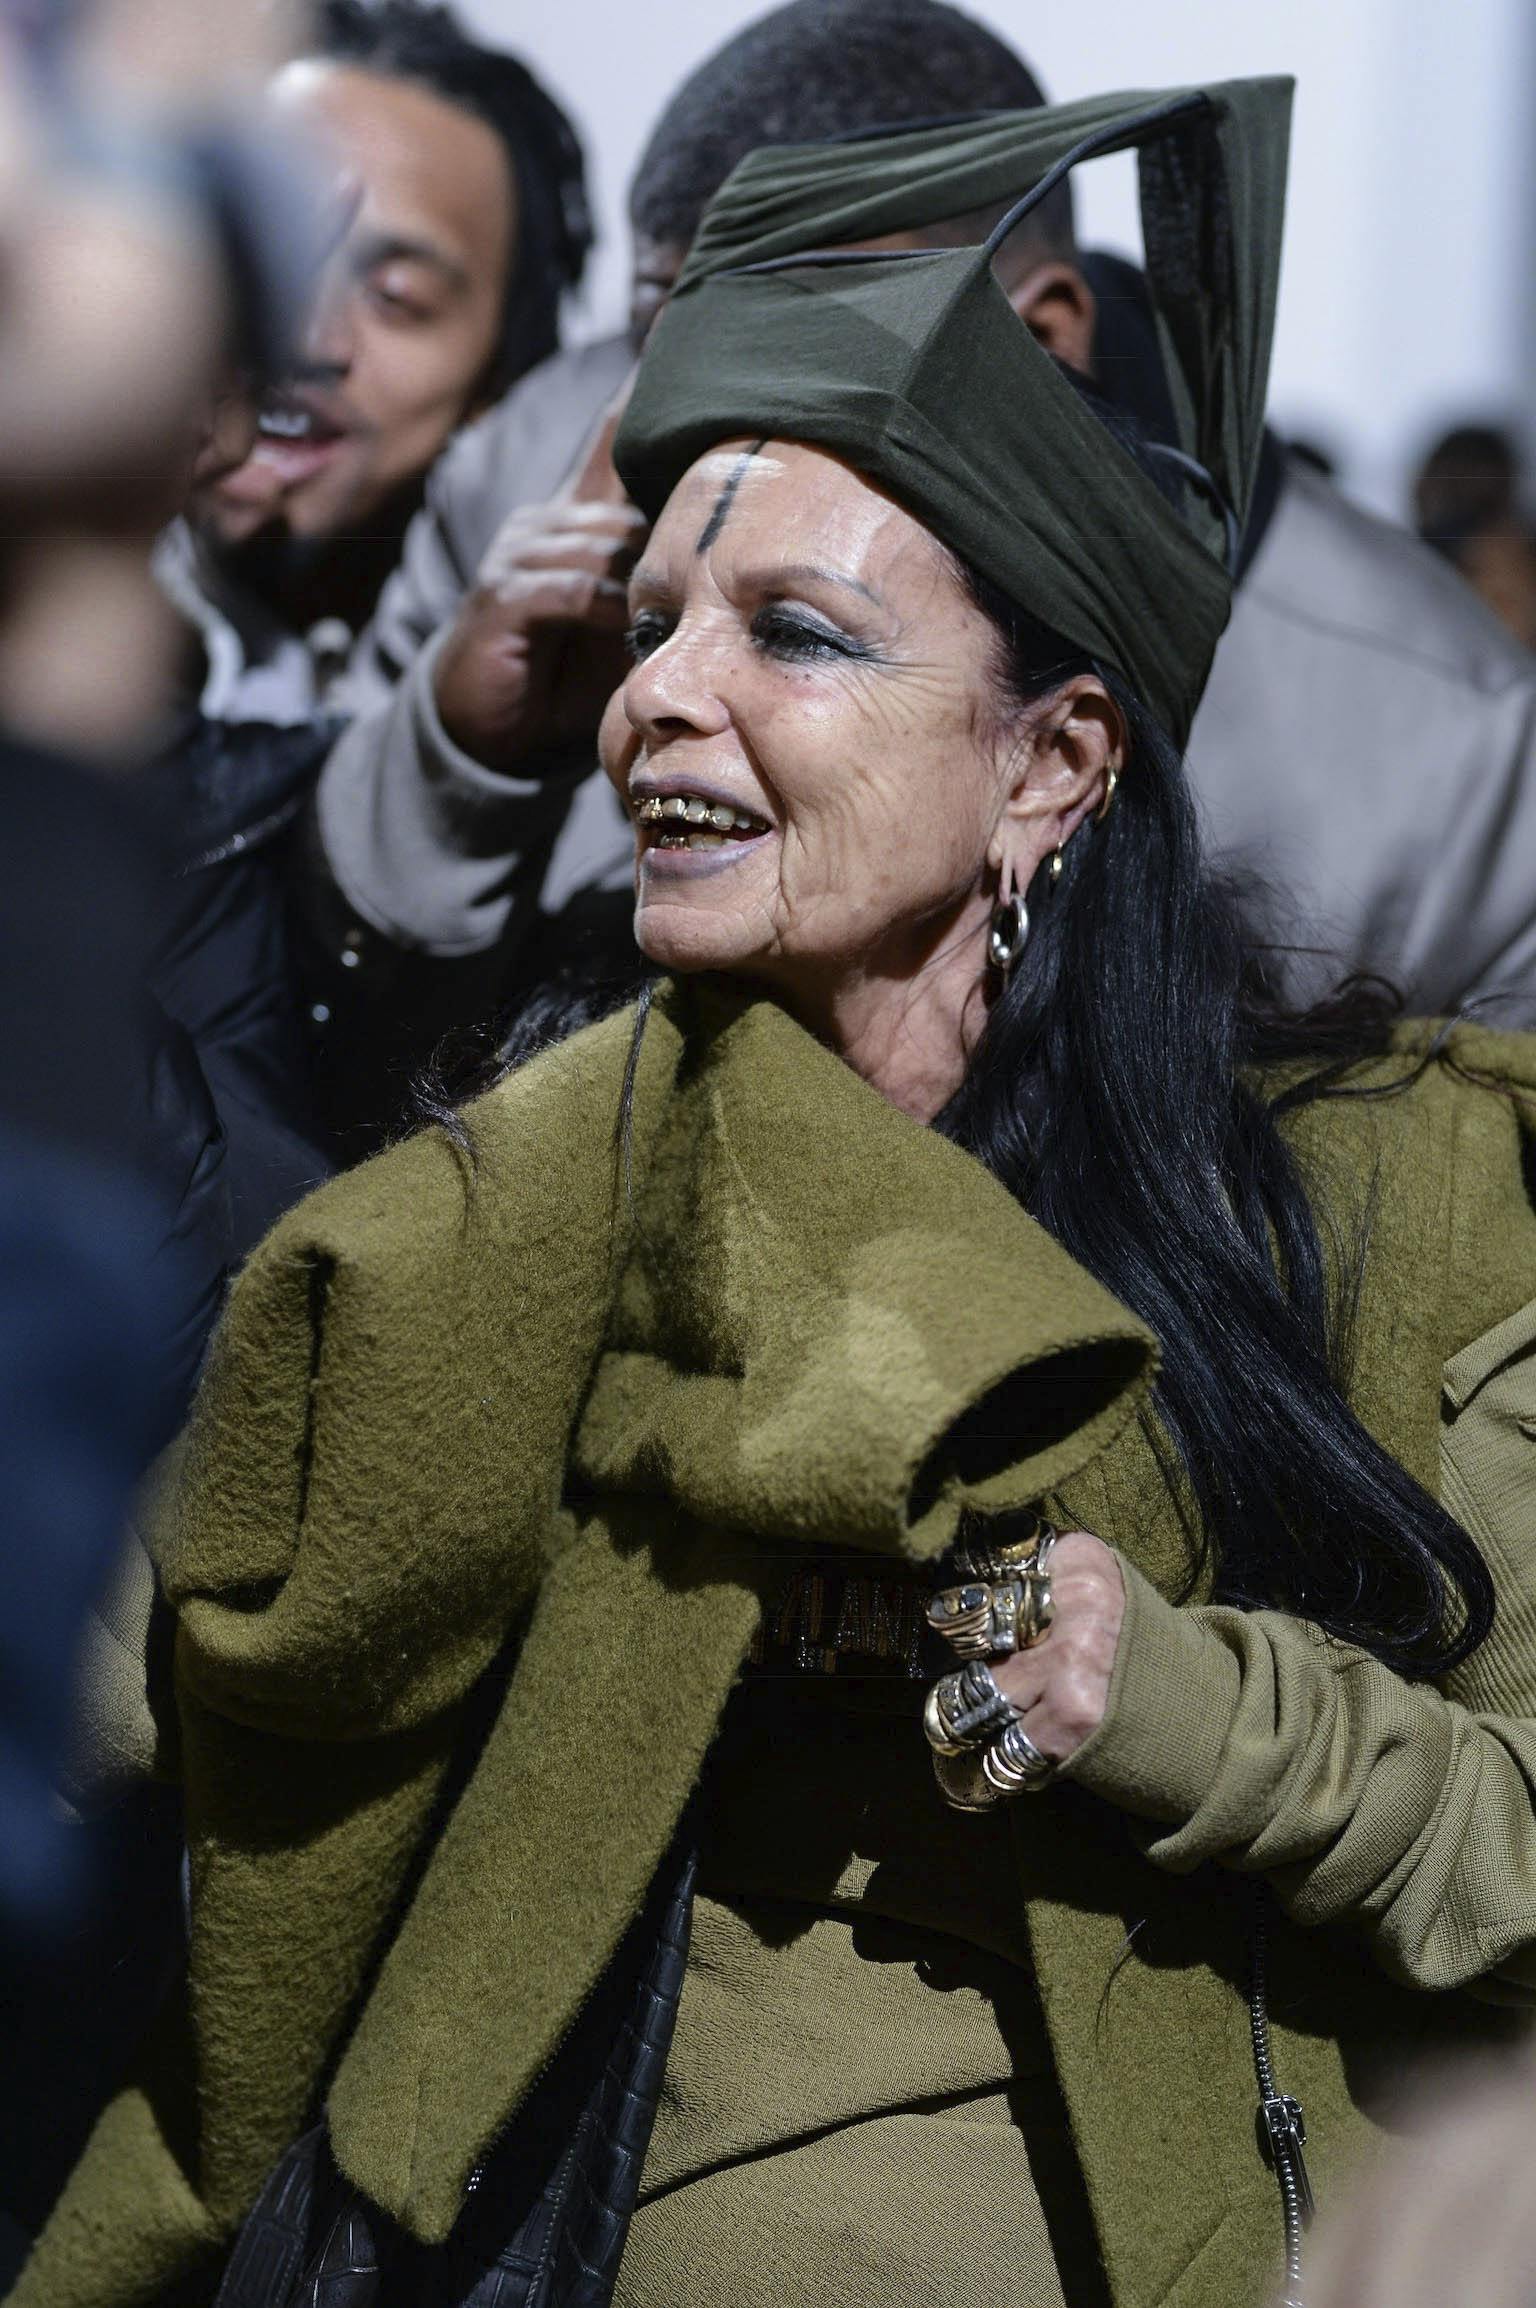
(1110, 783)
(1057, 863)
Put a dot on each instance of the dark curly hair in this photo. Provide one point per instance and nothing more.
(410, 40)
(820, 69)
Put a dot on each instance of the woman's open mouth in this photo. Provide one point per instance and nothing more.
(691, 821)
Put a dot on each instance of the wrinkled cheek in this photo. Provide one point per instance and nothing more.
(877, 859)
(617, 740)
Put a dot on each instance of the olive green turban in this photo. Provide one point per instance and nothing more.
(914, 366)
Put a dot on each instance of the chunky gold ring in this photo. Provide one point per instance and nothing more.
(979, 1558)
(980, 1620)
(964, 1784)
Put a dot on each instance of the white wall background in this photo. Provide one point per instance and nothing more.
(1409, 293)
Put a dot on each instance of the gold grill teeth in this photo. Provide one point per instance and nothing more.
(679, 809)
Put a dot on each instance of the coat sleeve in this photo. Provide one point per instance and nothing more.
(1409, 1812)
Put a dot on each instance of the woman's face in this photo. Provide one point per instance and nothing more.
(809, 741)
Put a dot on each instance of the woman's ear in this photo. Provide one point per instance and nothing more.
(1059, 771)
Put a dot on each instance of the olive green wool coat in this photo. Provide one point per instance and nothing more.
(584, 1404)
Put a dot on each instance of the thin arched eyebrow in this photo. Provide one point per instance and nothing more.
(782, 573)
(773, 577)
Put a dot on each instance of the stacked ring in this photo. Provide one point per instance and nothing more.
(980, 1620)
(966, 1709)
(1014, 1765)
(1004, 1605)
(981, 1751)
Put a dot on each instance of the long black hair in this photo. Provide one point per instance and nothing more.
(1119, 1092)
(1116, 1091)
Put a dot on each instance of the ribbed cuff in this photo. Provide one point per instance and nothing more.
(470, 785)
(428, 847)
(1172, 1702)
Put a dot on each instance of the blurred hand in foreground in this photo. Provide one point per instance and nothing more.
(117, 315)
(1449, 2213)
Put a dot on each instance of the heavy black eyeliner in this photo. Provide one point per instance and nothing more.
(645, 634)
(809, 634)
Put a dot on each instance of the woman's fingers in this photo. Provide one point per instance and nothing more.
(1062, 1682)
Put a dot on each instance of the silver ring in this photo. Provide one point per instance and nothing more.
(1014, 1765)
(966, 1709)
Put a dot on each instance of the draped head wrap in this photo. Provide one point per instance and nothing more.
(914, 366)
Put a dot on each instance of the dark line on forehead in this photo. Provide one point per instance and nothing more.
(723, 502)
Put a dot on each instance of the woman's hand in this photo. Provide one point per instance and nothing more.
(1062, 1682)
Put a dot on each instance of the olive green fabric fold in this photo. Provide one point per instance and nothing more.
(420, 1360)
(533, 1402)
(915, 367)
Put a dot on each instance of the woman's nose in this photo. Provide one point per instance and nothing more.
(677, 690)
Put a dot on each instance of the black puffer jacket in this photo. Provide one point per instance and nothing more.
(226, 797)
(114, 1242)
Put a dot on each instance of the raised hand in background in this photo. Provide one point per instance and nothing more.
(536, 648)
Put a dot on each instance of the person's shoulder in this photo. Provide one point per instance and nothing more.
(1446, 1072)
(1332, 566)
(1418, 1165)
(413, 1215)
(1474, 1056)
(1430, 1142)
(1442, 1057)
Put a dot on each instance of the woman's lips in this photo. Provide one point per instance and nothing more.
(692, 863)
(694, 830)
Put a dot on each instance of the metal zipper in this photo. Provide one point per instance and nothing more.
(251, 837)
(1282, 2127)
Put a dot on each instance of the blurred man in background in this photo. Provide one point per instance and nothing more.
(461, 224)
(1366, 744)
(1469, 504)
(467, 226)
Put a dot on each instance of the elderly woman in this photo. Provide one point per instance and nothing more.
(632, 1518)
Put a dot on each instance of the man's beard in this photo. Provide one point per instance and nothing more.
(303, 579)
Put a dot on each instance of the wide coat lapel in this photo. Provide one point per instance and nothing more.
(830, 1328)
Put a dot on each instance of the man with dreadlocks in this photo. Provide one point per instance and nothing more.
(462, 221)
(466, 224)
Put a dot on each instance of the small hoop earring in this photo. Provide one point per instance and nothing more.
(1007, 933)
(1110, 783)
(1057, 862)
